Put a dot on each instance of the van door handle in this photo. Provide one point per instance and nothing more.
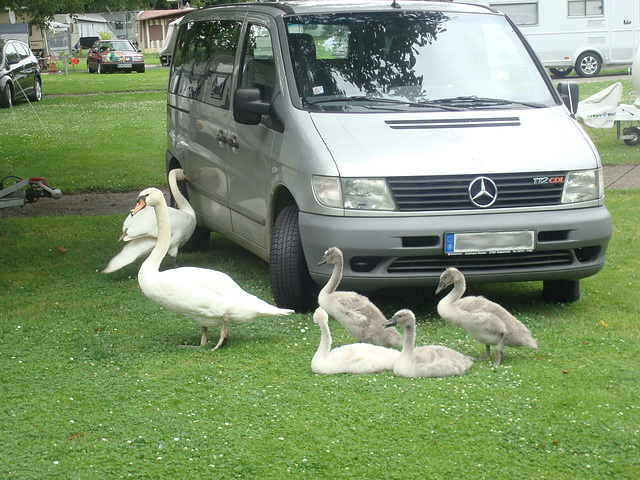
(233, 142)
(221, 137)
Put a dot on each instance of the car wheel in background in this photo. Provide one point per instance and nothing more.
(560, 72)
(588, 65)
(635, 132)
(36, 96)
(6, 97)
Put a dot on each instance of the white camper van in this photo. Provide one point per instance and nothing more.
(581, 34)
(169, 43)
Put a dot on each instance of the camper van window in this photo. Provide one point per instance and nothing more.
(585, 8)
(519, 13)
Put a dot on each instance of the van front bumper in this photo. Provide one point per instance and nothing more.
(381, 252)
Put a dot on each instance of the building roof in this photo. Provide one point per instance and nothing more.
(150, 14)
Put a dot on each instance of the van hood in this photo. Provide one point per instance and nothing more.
(387, 145)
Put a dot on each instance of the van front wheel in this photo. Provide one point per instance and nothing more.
(291, 284)
(561, 291)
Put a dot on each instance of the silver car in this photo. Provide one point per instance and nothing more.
(414, 136)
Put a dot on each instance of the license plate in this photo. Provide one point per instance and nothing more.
(478, 243)
(124, 65)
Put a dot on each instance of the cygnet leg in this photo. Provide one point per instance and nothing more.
(499, 346)
(174, 261)
(487, 354)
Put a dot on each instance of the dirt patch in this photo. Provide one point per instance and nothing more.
(80, 204)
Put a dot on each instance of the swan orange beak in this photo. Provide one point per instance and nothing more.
(141, 203)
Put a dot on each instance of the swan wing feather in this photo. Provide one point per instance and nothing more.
(131, 251)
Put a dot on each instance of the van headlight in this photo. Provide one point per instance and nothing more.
(353, 193)
(583, 186)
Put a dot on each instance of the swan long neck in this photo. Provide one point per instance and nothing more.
(164, 238)
(324, 347)
(181, 201)
(336, 276)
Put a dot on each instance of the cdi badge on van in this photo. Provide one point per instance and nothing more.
(414, 136)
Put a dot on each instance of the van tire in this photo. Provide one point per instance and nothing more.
(291, 284)
(588, 65)
(561, 291)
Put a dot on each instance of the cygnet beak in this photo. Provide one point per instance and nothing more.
(392, 322)
(441, 286)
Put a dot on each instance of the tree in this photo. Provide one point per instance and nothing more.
(39, 13)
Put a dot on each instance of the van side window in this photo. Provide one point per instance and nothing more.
(258, 65)
(223, 40)
(203, 63)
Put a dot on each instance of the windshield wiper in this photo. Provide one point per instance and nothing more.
(387, 101)
(479, 102)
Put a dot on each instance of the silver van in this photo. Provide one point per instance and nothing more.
(414, 136)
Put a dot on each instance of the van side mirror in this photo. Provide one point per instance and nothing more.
(570, 94)
(248, 107)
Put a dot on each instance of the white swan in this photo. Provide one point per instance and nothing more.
(141, 232)
(426, 361)
(359, 358)
(484, 320)
(209, 297)
(357, 314)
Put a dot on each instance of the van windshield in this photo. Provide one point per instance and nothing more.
(403, 60)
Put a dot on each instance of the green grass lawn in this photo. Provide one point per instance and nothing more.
(95, 386)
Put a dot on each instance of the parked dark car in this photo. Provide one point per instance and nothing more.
(87, 42)
(114, 56)
(19, 73)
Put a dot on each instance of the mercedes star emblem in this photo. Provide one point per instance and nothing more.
(483, 192)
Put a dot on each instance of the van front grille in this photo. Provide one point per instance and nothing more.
(470, 263)
(451, 192)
